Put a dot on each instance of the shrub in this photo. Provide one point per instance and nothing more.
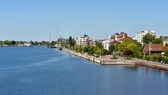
(114, 56)
(160, 59)
(105, 52)
(147, 58)
(154, 57)
(166, 59)
(140, 55)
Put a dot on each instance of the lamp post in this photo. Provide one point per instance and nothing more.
(149, 48)
(162, 56)
(144, 55)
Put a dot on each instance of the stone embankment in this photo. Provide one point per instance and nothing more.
(103, 60)
(106, 60)
(155, 65)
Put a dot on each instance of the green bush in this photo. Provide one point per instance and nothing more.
(165, 59)
(147, 58)
(140, 55)
(160, 59)
(105, 52)
(154, 57)
(114, 56)
(128, 58)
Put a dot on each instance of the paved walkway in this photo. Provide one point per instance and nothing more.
(150, 64)
(106, 60)
(103, 60)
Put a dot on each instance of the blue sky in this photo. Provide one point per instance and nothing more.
(37, 19)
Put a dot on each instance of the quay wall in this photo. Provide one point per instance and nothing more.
(153, 65)
(99, 60)
(118, 62)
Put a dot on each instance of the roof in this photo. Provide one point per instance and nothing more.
(114, 42)
(120, 36)
(153, 48)
(164, 38)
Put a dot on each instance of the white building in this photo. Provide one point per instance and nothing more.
(84, 40)
(106, 44)
(164, 39)
(139, 36)
(114, 39)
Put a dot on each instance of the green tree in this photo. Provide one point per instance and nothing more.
(99, 45)
(166, 51)
(53, 43)
(98, 51)
(13, 42)
(6, 42)
(127, 41)
(105, 52)
(36, 43)
(133, 48)
(148, 38)
(157, 41)
(70, 42)
(78, 48)
(1, 42)
(86, 49)
(91, 50)
(166, 59)
(73, 41)
(111, 48)
(155, 57)
(116, 47)
(122, 46)
(21, 42)
(166, 44)
(139, 45)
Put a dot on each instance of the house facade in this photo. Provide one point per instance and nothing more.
(164, 39)
(106, 44)
(139, 36)
(114, 39)
(84, 40)
(153, 49)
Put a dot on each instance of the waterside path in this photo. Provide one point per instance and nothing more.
(103, 60)
(106, 60)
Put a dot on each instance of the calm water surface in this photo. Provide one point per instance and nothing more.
(43, 71)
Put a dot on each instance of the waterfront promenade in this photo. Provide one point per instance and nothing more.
(102, 60)
(106, 60)
(151, 64)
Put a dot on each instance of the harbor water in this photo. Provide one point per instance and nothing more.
(45, 71)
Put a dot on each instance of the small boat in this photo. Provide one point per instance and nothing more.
(60, 48)
(52, 47)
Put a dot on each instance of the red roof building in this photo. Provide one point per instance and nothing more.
(114, 42)
(164, 39)
(153, 48)
(115, 39)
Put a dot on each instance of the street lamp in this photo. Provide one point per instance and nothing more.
(162, 53)
(149, 48)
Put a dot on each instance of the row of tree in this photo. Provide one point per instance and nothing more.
(14, 43)
(97, 50)
(128, 47)
(149, 38)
